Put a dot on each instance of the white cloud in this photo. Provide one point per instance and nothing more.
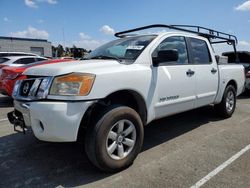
(242, 46)
(30, 3)
(6, 19)
(90, 44)
(33, 3)
(83, 36)
(243, 43)
(31, 32)
(107, 30)
(87, 42)
(52, 2)
(220, 48)
(243, 7)
(40, 21)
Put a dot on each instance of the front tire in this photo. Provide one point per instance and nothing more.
(227, 106)
(114, 141)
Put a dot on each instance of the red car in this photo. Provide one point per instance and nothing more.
(9, 75)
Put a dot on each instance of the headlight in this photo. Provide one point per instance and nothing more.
(72, 84)
(42, 90)
(16, 87)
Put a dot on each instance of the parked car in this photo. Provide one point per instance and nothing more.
(9, 75)
(243, 59)
(124, 85)
(18, 61)
(4, 54)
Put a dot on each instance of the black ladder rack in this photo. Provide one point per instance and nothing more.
(201, 31)
(213, 36)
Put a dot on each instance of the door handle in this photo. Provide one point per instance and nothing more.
(190, 72)
(213, 71)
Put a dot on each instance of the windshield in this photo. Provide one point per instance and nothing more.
(125, 49)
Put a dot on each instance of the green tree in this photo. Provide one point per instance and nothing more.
(54, 51)
(60, 50)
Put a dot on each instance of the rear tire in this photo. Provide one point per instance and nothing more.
(227, 106)
(114, 141)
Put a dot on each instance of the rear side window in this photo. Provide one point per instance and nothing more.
(25, 61)
(200, 52)
(3, 60)
(40, 59)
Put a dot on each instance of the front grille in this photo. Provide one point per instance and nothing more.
(25, 87)
(32, 88)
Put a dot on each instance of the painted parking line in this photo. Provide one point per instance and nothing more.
(5, 119)
(220, 168)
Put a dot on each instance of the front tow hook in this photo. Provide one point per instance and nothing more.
(17, 122)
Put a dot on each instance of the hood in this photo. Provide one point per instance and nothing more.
(86, 66)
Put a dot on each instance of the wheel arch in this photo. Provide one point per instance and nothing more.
(222, 90)
(132, 98)
(233, 83)
(129, 98)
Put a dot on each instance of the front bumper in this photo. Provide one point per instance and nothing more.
(53, 121)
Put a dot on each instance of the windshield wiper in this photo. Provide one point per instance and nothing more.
(105, 57)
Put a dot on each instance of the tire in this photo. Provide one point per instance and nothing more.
(99, 140)
(227, 106)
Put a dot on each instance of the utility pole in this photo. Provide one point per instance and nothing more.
(63, 37)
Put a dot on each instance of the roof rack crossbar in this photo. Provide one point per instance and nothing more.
(208, 33)
(211, 32)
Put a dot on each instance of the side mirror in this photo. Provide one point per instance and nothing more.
(165, 56)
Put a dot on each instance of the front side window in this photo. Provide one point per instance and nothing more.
(125, 49)
(177, 43)
(199, 51)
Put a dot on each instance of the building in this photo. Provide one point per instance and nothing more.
(38, 46)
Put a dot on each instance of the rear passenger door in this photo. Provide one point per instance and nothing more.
(205, 71)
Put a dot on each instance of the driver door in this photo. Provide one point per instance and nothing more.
(175, 81)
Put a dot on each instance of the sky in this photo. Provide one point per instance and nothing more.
(89, 24)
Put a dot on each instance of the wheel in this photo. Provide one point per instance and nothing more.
(114, 141)
(227, 106)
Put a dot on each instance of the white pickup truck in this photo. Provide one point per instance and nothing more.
(122, 86)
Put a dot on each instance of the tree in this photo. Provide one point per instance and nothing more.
(78, 52)
(54, 51)
(67, 51)
(60, 50)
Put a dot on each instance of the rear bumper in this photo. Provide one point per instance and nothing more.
(53, 121)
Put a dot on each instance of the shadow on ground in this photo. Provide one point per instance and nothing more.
(5, 101)
(25, 161)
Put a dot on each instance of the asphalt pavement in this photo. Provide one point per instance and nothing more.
(178, 151)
